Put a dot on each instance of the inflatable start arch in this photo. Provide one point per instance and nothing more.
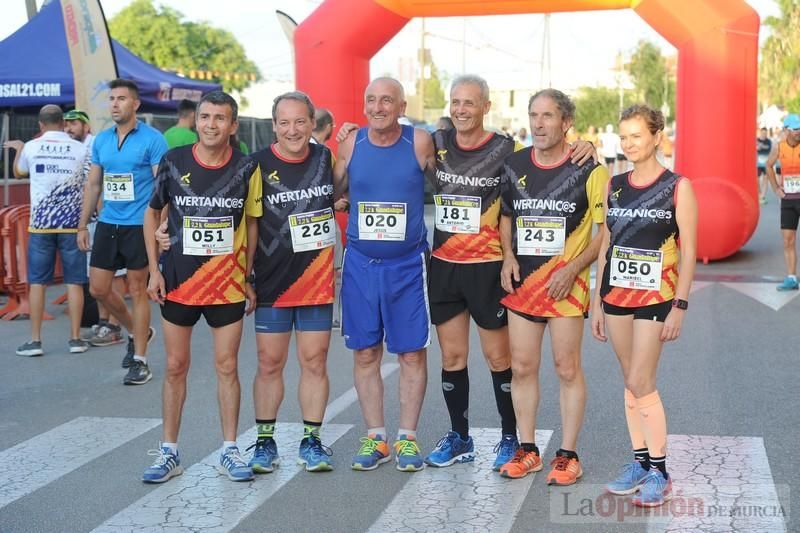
(717, 41)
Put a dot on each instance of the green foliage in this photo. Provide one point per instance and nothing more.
(161, 36)
(598, 106)
(652, 80)
(434, 93)
(779, 70)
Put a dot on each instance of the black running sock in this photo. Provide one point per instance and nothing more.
(529, 447)
(502, 396)
(566, 453)
(311, 429)
(660, 463)
(265, 429)
(455, 387)
(643, 457)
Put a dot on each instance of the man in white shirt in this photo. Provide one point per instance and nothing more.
(55, 164)
(609, 144)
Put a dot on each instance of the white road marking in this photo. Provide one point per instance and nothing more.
(65, 448)
(764, 293)
(203, 499)
(462, 497)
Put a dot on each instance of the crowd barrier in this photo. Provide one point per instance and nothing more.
(14, 222)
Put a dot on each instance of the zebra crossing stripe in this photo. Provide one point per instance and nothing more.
(63, 449)
(462, 497)
(718, 484)
(202, 499)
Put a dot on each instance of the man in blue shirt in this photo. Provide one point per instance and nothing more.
(124, 163)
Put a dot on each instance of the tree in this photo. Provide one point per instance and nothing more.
(432, 88)
(598, 106)
(779, 70)
(652, 79)
(161, 36)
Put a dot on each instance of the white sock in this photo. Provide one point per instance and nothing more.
(409, 433)
(377, 431)
(141, 358)
(228, 444)
(793, 277)
(171, 446)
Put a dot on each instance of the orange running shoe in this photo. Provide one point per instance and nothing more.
(521, 464)
(566, 471)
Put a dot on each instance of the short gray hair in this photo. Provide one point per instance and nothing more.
(51, 114)
(400, 90)
(564, 103)
(297, 96)
(473, 79)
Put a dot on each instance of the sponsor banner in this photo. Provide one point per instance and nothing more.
(92, 57)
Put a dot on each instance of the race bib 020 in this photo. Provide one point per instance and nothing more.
(118, 188)
(541, 235)
(207, 235)
(381, 221)
(458, 214)
(634, 268)
(313, 230)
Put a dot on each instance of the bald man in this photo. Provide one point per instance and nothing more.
(384, 294)
(54, 162)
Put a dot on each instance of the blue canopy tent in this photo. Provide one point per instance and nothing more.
(35, 69)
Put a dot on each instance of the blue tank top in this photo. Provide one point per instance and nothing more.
(386, 194)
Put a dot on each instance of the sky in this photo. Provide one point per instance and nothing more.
(506, 50)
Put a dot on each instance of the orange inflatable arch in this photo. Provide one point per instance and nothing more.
(717, 42)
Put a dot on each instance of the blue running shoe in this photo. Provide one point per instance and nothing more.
(166, 465)
(630, 478)
(314, 455)
(655, 490)
(505, 450)
(373, 452)
(407, 454)
(789, 284)
(232, 465)
(265, 456)
(452, 449)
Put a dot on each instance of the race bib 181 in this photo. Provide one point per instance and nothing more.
(313, 230)
(541, 235)
(207, 235)
(634, 268)
(118, 188)
(458, 214)
(381, 221)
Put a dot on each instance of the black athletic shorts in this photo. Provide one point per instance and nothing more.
(790, 214)
(116, 247)
(454, 287)
(610, 160)
(217, 316)
(539, 319)
(621, 157)
(657, 312)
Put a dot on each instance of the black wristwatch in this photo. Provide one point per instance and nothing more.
(680, 304)
(251, 279)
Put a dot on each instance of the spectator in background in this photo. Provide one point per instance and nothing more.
(56, 166)
(324, 126)
(763, 149)
(107, 330)
(524, 138)
(444, 123)
(76, 125)
(183, 133)
(591, 136)
(609, 141)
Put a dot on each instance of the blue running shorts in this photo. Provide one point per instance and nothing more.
(302, 318)
(386, 299)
